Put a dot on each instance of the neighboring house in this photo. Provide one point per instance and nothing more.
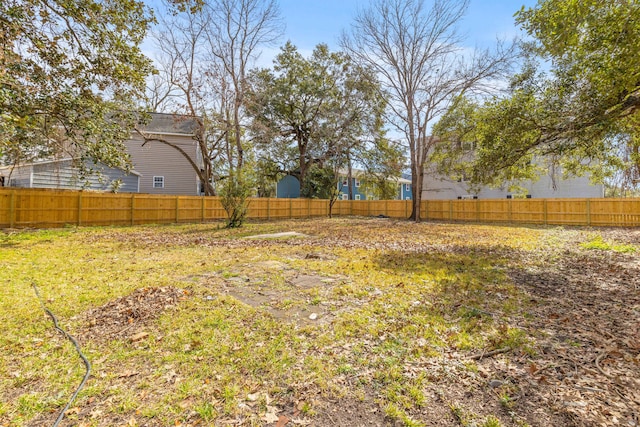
(440, 188)
(159, 167)
(550, 185)
(64, 174)
(403, 186)
(289, 187)
(163, 169)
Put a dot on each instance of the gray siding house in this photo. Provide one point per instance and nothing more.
(64, 174)
(163, 168)
(442, 188)
(159, 167)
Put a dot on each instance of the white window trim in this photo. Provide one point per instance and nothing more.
(357, 197)
(407, 187)
(357, 183)
(154, 182)
(345, 196)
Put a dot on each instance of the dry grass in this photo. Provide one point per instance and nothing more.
(359, 322)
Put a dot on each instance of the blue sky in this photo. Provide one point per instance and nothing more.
(310, 22)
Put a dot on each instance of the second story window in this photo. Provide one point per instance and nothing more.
(158, 182)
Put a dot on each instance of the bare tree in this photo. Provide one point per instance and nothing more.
(418, 56)
(204, 50)
(237, 28)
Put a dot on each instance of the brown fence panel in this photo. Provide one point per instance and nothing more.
(397, 209)
(44, 208)
(438, 209)
(494, 210)
(213, 209)
(342, 207)
(56, 208)
(319, 208)
(7, 199)
(106, 209)
(614, 212)
(527, 211)
(567, 211)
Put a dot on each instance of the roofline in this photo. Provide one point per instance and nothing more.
(66, 159)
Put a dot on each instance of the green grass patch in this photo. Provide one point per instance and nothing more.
(390, 296)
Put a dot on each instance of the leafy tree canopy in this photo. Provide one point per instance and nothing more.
(71, 74)
(580, 113)
(310, 111)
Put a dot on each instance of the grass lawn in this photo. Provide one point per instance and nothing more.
(344, 321)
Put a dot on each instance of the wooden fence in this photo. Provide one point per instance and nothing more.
(42, 208)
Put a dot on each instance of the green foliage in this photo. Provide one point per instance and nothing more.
(581, 115)
(70, 73)
(234, 192)
(598, 243)
(314, 110)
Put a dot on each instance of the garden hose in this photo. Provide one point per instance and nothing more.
(86, 362)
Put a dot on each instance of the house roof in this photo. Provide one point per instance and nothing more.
(162, 123)
(44, 162)
(356, 173)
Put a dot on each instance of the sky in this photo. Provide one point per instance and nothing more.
(309, 22)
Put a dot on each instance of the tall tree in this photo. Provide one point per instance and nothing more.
(71, 76)
(314, 110)
(206, 48)
(579, 111)
(416, 52)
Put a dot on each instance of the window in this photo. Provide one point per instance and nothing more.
(407, 187)
(407, 198)
(158, 182)
(344, 182)
(357, 183)
(357, 197)
(345, 196)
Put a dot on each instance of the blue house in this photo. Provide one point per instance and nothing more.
(288, 188)
(403, 192)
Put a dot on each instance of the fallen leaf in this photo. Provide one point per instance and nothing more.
(282, 421)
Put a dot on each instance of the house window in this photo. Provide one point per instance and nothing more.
(158, 182)
(357, 197)
(344, 182)
(345, 196)
(407, 187)
(407, 198)
(357, 183)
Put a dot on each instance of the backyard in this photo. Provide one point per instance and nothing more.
(322, 322)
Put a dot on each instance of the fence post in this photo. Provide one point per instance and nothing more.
(202, 209)
(386, 208)
(544, 211)
(477, 209)
(133, 204)
(450, 210)
(79, 208)
(177, 209)
(589, 212)
(510, 201)
(12, 209)
(268, 208)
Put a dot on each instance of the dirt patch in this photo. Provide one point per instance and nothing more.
(123, 317)
(587, 311)
(283, 235)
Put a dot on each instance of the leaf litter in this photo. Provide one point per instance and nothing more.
(580, 312)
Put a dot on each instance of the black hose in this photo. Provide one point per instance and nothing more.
(87, 364)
